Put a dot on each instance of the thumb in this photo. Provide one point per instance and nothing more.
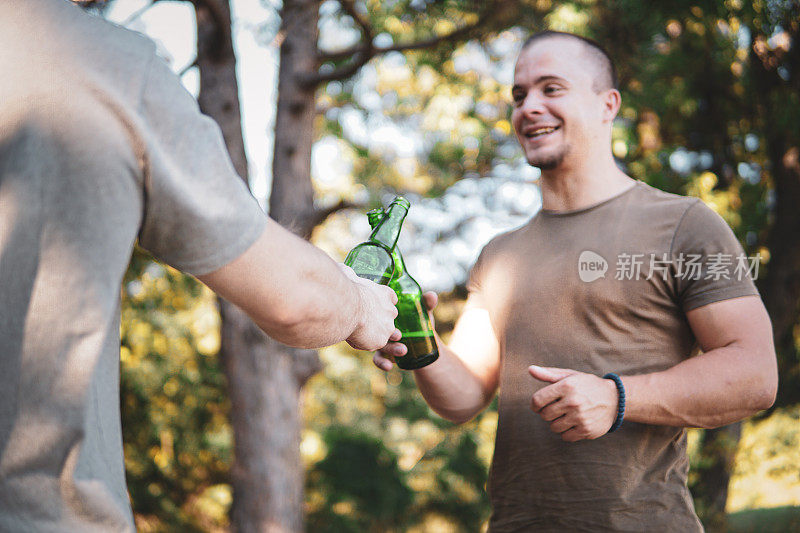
(549, 374)
(431, 299)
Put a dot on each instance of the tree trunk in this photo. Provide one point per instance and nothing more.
(264, 377)
(710, 491)
(292, 200)
(781, 287)
(292, 205)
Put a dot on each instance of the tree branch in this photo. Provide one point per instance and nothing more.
(349, 7)
(358, 55)
(187, 68)
(367, 35)
(360, 59)
(321, 215)
(454, 35)
(138, 13)
(364, 51)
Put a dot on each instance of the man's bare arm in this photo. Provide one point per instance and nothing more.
(735, 377)
(301, 297)
(464, 378)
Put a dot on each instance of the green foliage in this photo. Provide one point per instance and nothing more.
(380, 460)
(360, 475)
(767, 465)
(176, 435)
(773, 520)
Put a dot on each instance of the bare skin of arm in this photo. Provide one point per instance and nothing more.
(735, 377)
(301, 297)
(464, 379)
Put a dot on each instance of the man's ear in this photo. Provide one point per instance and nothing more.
(612, 101)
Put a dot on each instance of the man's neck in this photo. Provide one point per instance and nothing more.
(568, 189)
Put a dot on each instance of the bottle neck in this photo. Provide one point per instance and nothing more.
(387, 231)
(399, 265)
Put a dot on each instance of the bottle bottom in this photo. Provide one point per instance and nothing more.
(413, 362)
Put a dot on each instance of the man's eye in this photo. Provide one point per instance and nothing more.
(550, 89)
(518, 97)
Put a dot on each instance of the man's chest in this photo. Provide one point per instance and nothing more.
(600, 286)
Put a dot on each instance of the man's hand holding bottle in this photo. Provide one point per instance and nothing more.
(377, 312)
(384, 358)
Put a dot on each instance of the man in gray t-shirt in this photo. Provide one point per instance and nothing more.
(100, 146)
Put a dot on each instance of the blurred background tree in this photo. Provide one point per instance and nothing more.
(412, 96)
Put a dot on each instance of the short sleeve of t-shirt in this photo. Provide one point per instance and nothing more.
(478, 270)
(474, 278)
(710, 264)
(198, 213)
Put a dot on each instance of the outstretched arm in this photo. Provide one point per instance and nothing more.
(301, 297)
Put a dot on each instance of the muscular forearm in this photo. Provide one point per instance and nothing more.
(324, 307)
(451, 389)
(710, 390)
(291, 290)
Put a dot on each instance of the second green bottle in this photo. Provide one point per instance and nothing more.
(412, 313)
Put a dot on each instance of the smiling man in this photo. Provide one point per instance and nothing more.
(588, 320)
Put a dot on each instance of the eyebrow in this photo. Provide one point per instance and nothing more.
(540, 79)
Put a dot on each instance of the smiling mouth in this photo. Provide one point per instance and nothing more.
(539, 132)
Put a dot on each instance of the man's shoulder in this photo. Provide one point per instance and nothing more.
(113, 47)
(506, 239)
(655, 213)
(658, 202)
(83, 43)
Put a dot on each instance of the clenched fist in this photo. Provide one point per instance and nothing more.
(576, 404)
(377, 312)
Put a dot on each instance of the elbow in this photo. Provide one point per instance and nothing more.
(456, 417)
(767, 392)
(289, 326)
(762, 393)
(287, 319)
(461, 415)
(468, 413)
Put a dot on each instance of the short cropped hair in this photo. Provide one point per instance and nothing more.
(595, 50)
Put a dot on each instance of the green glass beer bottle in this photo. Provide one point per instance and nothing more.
(412, 313)
(372, 259)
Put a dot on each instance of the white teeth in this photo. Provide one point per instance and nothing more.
(541, 131)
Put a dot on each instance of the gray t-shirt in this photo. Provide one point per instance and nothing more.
(99, 145)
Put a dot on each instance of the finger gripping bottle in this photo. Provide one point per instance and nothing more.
(412, 313)
(372, 259)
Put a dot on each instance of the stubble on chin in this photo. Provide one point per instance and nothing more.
(549, 162)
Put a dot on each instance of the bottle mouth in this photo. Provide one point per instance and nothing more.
(401, 201)
(375, 216)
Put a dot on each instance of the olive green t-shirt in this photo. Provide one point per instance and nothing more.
(99, 144)
(601, 289)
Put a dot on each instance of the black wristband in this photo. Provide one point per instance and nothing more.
(621, 405)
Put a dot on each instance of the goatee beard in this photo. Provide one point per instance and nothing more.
(551, 162)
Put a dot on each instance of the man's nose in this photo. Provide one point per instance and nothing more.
(533, 104)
